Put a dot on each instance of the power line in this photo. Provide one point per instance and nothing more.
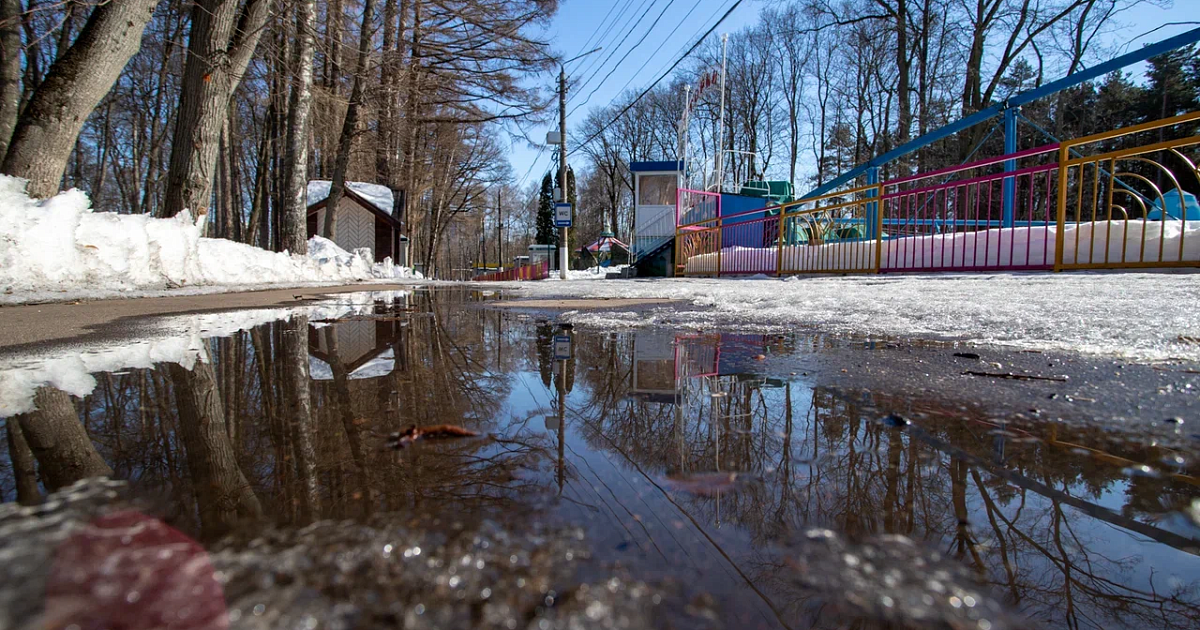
(648, 57)
(660, 78)
(629, 31)
(601, 25)
(630, 52)
(591, 63)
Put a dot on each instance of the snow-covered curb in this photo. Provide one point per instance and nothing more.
(1142, 316)
(58, 249)
(176, 339)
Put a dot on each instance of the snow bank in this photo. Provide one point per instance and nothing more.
(591, 273)
(1145, 316)
(59, 249)
(176, 339)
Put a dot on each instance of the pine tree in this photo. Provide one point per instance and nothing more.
(546, 233)
(1172, 85)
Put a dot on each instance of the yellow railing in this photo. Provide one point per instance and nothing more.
(838, 232)
(1115, 206)
(1122, 202)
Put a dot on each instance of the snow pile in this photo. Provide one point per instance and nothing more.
(178, 339)
(591, 273)
(60, 249)
(1148, 316)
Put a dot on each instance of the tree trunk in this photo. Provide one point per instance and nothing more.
(10, 70)
(293, 220)
(904, 68)
(387, 80)
(47, 128)
(350, 124)
(218, 53)
(343, 404)
(64, 452)
(24, 471)
(297, 408)
(222, 491)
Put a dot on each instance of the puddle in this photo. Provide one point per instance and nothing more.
(648, 478)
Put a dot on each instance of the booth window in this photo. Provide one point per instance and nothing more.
(657, 190)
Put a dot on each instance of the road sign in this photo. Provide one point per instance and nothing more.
(562, 215)
(562, 347)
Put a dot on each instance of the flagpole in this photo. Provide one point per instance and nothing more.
(683, 131)
(721, 134)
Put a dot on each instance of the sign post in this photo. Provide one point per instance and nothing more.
(562, 215)
(562, 347)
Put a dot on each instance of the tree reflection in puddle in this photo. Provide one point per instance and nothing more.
(682, 456)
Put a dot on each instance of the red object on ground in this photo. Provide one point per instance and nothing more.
(129, 571)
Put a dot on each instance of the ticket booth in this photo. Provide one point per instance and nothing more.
(655, 187)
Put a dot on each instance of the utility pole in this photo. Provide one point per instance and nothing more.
(499, 225)
(562, 166)
(562, 156)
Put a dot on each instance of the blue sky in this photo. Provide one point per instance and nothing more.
(584, 24)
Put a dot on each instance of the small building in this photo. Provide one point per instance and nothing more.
(364, 219)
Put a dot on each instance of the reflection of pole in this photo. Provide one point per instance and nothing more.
(562, 429)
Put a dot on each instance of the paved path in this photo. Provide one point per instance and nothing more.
(24, 327)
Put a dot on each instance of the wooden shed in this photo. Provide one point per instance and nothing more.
(364, 219)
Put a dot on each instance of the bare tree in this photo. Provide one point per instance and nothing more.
(223, 37)
(294, 231)
(350, 124)
(10, 70)
(48, 126)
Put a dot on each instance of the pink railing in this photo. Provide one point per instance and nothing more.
(953, 219)
(694, 207)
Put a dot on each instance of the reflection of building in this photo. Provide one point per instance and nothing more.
(662, 359)
(362, 347)
(654, 366)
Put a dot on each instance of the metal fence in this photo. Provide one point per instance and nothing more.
(1120, 200)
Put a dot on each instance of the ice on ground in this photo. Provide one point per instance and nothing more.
(377, 195)
(177, 339)
(1145, 316)
(591, 273)
(60, 249)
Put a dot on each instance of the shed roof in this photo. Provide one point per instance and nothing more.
(374, 197)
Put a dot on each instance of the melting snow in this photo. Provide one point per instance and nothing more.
(60, 249)
(1148, 316)
(177, 339)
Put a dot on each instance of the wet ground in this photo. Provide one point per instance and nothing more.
(651, 478)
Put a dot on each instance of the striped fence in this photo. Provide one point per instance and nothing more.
(1108, 201)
